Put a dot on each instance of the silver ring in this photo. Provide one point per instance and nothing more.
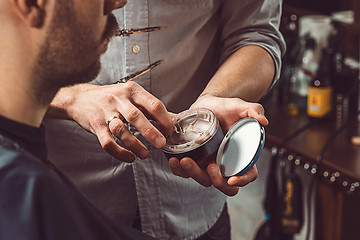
(110, 119)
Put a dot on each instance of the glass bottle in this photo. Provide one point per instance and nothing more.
(319, 103)
(302, 75)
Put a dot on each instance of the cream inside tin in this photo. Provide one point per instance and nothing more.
(197, 134)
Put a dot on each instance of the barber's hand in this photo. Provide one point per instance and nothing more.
(103, 110)
(207, 172)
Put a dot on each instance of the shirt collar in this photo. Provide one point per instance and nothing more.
(31, 139)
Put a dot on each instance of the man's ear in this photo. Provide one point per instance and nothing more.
(31, 11)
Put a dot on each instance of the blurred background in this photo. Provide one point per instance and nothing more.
(309, 171)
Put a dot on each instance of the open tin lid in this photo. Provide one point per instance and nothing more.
(241, 147)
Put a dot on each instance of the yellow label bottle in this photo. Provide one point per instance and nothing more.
(319, 101)
(319, 91)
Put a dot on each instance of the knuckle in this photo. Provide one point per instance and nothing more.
(107, 144)
(133, 115)
(148, 132)
(207, 184)
(110, 97)
(258, 107)
(230, 193)
(97, 123)
(156, 105)
(117, 129)
(132, 87)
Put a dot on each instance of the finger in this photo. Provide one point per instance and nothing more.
(109, 145)
(119, 130)
(194, 171)
(257, 112)
(154, 108)
(176, 168)
(219, 182)
(167, 128)
(136, 118)
(245, 179)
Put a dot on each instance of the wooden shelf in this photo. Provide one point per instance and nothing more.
(338, 175)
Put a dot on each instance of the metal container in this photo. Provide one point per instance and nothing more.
(197, 134)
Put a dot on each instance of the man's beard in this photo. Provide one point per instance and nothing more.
(68, 55)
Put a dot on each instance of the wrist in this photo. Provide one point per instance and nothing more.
(205, 100)
(62, 106)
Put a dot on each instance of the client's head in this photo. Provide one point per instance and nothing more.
(55, 42)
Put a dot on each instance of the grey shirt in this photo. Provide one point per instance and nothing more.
(200, 35)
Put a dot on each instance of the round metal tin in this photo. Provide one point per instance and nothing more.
(241, 147)
(197, 134)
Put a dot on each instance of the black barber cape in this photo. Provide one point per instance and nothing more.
(37, 201)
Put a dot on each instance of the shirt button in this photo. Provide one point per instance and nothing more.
(136, 49)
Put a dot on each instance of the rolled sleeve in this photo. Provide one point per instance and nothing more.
(257, 23)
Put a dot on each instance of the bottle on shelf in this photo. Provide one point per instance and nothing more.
(290, 32)
(303, 73)
(319, 102)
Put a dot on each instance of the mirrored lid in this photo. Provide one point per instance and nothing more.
(241, 147)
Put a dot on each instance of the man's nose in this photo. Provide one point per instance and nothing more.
(111, 5)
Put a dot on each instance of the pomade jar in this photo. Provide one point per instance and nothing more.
(197, 134)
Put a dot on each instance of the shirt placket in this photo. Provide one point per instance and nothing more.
(136, 45)
(137, 58)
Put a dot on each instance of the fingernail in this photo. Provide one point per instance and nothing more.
(212, 171)
(232, 181)
(174, 164)
(186, 164)
(160, 142)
